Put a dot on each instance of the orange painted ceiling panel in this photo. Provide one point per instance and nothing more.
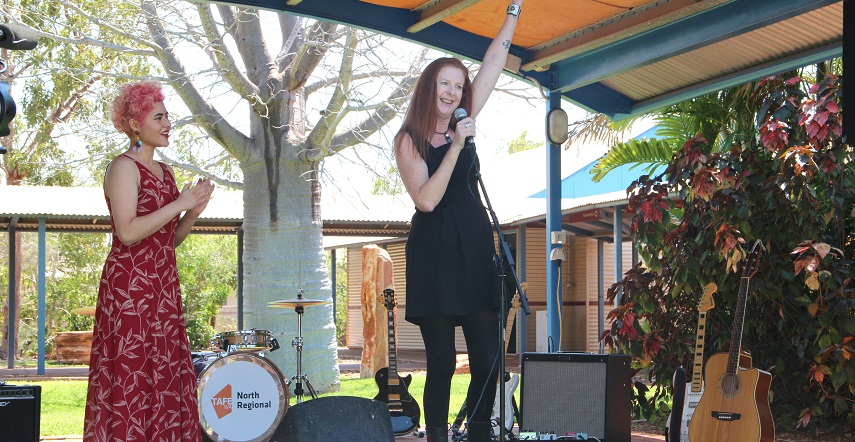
(540, 20)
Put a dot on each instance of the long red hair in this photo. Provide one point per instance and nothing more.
(420, 122)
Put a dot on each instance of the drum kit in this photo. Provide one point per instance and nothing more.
(243, 396)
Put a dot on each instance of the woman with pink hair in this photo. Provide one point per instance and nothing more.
(142, 385)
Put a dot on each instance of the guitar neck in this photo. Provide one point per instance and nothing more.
(393, 353)
(698, 363)
(509, 327)
(736, 333)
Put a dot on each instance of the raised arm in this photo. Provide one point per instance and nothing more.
(494, 61)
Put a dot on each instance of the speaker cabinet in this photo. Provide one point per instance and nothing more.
(576, 393)
(336, 418)
(20, 411)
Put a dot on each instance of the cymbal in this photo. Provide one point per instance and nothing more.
(296, 302)
(85, 311)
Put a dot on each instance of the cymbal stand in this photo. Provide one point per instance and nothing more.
(300, 377)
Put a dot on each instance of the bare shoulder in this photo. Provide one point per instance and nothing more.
(404, 146)
(121, 168)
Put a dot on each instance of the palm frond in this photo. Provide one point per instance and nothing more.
(654, 152)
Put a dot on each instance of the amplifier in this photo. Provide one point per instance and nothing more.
(575, 393)
(20, 410)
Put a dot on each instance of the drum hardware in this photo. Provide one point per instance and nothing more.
(298, 304)
(252, 341)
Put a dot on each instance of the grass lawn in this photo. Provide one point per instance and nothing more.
(63, 402)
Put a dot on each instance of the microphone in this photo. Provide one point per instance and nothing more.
(17, 37)
(460, 114)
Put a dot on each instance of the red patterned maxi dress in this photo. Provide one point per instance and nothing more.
(142, 386)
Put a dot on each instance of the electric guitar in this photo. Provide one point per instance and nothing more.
(685, 401)
(512, 380)
(403, 409)
(735, 406)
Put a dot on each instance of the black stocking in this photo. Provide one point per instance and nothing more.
(481, 331)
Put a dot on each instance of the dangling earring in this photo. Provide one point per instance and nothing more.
(138, 143)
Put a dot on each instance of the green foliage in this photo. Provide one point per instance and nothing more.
(74, 261)
(207, 268)
(340, 271)
(788, 183)
(522, 143)
(390, 184)
(58, 87)
(656, 152)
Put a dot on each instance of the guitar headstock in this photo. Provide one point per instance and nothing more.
(707, 299)
(515, 301)
(752, 261)
(389, 299)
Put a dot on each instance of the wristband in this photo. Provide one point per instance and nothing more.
(514, 9)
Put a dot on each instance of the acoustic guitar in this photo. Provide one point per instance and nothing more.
(393, 389)
(735, 402)
(685, 401)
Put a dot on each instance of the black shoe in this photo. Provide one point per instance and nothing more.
(436, 434)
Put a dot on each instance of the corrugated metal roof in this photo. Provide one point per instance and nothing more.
(84, 209)
(609, 56)
(801, 33)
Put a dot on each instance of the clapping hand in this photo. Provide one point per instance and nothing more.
(194, 198)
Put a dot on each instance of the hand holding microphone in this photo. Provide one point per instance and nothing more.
(460, 114)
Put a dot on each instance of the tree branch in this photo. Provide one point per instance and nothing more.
(199, 171)
(310, 54)
(223, 60)
(206, 116)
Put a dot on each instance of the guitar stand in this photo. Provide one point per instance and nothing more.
(300, 377)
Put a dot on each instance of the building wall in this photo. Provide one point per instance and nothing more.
(408, 334)
(579, 288)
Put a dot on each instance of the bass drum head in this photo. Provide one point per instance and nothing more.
(242, 397)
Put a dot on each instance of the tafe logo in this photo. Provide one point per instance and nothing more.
(222, 401)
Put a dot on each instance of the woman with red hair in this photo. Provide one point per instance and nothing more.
(451, 277)
(142, 385)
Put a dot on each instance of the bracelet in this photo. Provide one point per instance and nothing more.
(514, 9)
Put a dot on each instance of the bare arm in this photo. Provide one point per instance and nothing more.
(121, 184)
(494, 61)
(426, 191)
(190, 216)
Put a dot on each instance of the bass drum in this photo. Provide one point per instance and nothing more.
(242, 397)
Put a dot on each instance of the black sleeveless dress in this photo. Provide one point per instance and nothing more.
(450, 251)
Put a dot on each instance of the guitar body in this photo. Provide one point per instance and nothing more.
(733, 411)
(678, 393)
(511, 383)
(392, 389)
(408, 418)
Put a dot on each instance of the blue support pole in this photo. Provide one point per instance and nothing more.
(13, 264)
(521, 265)
(601, 299)
(554, 299)
(42, 295)
(618, 243)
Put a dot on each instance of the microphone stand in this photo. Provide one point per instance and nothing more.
(503, 256)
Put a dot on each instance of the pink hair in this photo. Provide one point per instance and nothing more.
(133, 102)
